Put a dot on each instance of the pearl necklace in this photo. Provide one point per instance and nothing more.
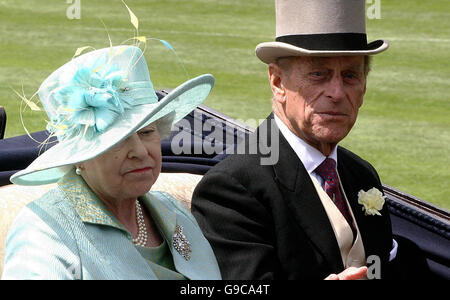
(141, 239)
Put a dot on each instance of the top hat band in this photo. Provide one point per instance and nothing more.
(327, 41)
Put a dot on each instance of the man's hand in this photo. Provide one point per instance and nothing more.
(351, 273)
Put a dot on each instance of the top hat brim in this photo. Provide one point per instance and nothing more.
(51, 165)
(269, 52)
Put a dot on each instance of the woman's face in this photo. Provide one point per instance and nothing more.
(128, 170)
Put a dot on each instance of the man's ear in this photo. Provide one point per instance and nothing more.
(278, 90)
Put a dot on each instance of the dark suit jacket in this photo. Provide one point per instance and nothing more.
(267, 221)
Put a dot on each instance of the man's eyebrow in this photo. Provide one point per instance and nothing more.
(356, 68)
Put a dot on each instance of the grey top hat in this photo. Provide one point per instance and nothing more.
(319, 28)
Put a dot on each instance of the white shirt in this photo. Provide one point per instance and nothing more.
(309, 156)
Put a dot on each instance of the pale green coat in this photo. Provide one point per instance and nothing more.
(69, 234)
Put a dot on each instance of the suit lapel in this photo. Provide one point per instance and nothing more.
(302, 199)
(352, 184)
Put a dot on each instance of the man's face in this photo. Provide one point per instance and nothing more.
(321, 97)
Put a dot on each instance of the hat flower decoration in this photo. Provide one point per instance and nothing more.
(100, 98)
(90, 100)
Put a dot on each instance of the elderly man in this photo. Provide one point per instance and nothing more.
(315, 212)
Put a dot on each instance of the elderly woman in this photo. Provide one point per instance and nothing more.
(101, 221)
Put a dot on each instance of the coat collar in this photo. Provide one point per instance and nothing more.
(308, 155)
(86, 203)
(299, 193)
(166, 215)
(369, 226)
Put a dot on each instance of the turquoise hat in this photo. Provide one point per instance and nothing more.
(96, 101)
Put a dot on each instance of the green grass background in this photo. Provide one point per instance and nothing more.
(404, 125)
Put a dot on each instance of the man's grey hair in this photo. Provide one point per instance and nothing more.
(367, 64)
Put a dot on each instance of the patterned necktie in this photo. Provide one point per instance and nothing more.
(327, 170)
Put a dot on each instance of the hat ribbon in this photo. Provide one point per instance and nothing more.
(327, 41)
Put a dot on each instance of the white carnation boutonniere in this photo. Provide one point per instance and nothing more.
(372, 201)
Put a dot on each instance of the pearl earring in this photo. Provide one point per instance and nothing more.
(78, 171)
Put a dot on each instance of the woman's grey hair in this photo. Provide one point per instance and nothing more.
(164, 125)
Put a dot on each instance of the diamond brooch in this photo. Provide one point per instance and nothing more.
(180, 243)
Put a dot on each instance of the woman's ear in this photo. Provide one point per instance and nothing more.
(275, 76)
